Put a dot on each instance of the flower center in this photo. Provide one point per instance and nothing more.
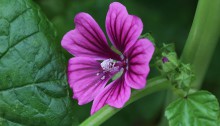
(112, 67)
(108, 65)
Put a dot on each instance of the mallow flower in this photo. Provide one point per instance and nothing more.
(95, 63)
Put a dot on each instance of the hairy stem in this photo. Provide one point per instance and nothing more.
(154, 85)
(201, 42)
(202, 39)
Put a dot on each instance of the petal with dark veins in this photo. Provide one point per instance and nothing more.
(87, 39)
(116, 94)
(139, 57)
(85, 77)
(123, 29)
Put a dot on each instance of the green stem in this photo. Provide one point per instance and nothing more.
(154, 85)
(203, 38)
(201, 42)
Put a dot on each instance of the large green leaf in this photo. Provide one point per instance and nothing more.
(33, 87)
(218, 120)
(197, 109)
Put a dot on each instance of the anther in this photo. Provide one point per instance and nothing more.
(122, 57)
(109, 65)
(103, 77)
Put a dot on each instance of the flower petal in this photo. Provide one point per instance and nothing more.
(84, 77)
(87, 39)
(123, 29)
(139, 57)
(116, 94)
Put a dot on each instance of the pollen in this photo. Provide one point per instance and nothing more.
(103, 77)
(108, 65)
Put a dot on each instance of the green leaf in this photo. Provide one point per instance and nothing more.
(197, 109)
(218, 120)
(33, 87)
(148, 36)
(184, 77)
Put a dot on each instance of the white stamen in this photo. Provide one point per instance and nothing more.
(97, 74)
(126, 61)
(127, 67)
(103, 77)
(122, 57)
(109, 65)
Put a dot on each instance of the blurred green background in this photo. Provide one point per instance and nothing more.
(168, 21)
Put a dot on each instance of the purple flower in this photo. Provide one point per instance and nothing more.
(95, 63)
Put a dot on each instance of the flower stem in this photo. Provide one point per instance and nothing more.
(154, 85)
(202, 39)
(201, 42)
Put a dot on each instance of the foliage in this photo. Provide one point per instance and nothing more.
(33, 87)
(198, 109)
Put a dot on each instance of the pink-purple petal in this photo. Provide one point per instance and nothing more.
(139, 57)
(116, 94)
(87, 39)
(123, 29)
(84, 80)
